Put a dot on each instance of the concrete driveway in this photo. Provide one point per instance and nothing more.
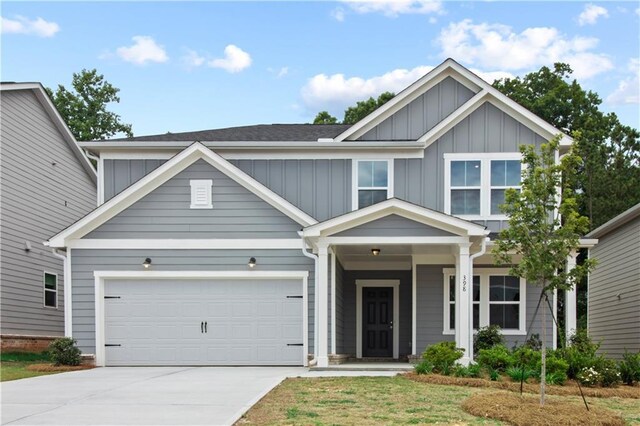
(140, 395)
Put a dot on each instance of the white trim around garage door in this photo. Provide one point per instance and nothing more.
(187, 244)
(102, 276)
(360, 284)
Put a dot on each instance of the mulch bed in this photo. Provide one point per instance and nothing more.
(569, 389)
(57, 368)
(526, 410)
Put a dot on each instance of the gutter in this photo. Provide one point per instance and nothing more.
(315, 300)
(483, 250)
(66, 259)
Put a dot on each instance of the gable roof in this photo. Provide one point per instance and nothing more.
(162, 174)
(56, 118)
(395, 206)
(483, 92)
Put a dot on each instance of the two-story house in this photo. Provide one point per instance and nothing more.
(276, 244)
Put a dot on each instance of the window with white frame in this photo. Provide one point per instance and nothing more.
(372, 182)
(475, 184)
(50, 290)
(498, 299)
(201, 193)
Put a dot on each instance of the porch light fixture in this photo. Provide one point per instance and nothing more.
(252, 262)
(375, 251)
(147, 263)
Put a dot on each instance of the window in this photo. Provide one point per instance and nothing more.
(50, 290)
(372, 182)
(497, 299)
(201, 193)
(475, 184)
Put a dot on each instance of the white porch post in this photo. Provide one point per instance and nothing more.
(464, 293)
(323, 305)
(570, 301)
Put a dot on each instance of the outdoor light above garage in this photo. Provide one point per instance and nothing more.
(147, 263)
(252, 262)
(375, 251)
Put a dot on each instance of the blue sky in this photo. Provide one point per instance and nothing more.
(201, 65)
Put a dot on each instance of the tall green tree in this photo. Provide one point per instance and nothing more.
(361, 109)
(609, 178)
(84, 108)
(323, 117)
(544, 227)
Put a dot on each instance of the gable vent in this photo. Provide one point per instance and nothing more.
(201, 193)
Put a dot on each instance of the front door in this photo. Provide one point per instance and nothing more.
(377, 327)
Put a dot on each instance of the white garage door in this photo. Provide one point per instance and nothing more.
(203, 322)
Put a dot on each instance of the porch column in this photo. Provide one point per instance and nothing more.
(464, 334)
(570, 301)
(323, 306)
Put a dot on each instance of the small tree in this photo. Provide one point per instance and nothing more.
(544, 226)
(324, 117)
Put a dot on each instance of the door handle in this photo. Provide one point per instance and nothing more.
(201, 326)
(205, 326)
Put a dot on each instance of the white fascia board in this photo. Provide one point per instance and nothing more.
(186, 244)
(357, 241)
(588, 242)
(253, 274)
(162, 174)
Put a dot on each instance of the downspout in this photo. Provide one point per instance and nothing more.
(483, 250)
(66, 261)
(315, 299)
(99, 172)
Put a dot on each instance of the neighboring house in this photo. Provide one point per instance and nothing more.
(46, 184)
(613, 314)
(261, 245)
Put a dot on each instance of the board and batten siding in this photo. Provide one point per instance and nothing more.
(85, 261)
(44, 189)
(486, 130)
(165, 212)
(118, 175)
(614, 291)
(420, 115)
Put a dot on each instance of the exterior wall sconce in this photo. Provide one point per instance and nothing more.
(375, 251)
(252, 262)
(147, 263)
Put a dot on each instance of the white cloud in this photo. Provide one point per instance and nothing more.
(591, 14)
(336, 92)
(279, 73)
(498, 46)
(235, 60)
(338, 14)
(143, 50)
(394, 8)
(638, 11)
(628, 91)
(192, 59)
(21, 25)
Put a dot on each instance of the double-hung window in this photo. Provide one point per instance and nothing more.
(372, 182)
(475, 184)
(50, 290)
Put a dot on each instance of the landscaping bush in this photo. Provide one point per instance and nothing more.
(534, 342)
(520, 374)
(487, 337)
(580, 354)
(555, 378)
(555, 366)
(425, 367)
(474, 370)
(63, 351)
(526, 356)
(496, 358)
(443, 356)
(630, 368)
(604, 372)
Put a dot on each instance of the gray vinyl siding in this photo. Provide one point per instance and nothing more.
(419, 116)
(614, 291)
(339, 308)
(486, 130)
(349, 307)
(44, 189)
(166, 212)
(120, 174)
(320, 188)
(84, 262)
(394, 226)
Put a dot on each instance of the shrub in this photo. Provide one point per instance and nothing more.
(443, 356)
(588, 376)
(487, 337)
(630, 368)
(576, 360)
(581, 341)
(518, 373)
(526, 356)
(497, 358)
(534, 342)
(474, 370)
(554, 365)
(609, 373)
(63, 351)
(425, 367)
(494, 375)
(556, 378)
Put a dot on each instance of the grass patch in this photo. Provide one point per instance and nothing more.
(24, 357)
(22, 365)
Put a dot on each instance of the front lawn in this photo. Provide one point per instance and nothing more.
(385, 400)
(13, 365)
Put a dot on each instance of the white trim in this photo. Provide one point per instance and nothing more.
(355, 185)
(102, 276)
(414, 306)
(484, 274)
(201, 185)
(395, 240)
(44, 290)
(378, 265)
(333, 301)
(162, 174)
(360, 284)
(322, 314)
(100, 191)
(186, 244)
(68, 296)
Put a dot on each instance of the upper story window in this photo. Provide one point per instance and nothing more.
(372, 182)
(475, 184)
(201, 193)
(50, 290)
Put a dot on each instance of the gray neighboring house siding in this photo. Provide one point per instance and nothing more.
(44, 189)
(614, 289)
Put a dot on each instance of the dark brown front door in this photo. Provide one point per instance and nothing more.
(377, 327)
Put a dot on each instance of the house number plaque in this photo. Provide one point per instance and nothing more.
(464, 283)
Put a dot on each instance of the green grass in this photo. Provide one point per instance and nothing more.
(13, 365)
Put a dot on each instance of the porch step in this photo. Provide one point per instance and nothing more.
(367, 366)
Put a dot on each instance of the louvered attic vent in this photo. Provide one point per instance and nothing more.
(201, 193)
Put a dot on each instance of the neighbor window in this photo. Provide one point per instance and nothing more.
(475, 184)
(201, 193)
(498, 299)
(50, 290)
(372, 182)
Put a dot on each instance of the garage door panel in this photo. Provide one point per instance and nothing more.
(248, 323)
